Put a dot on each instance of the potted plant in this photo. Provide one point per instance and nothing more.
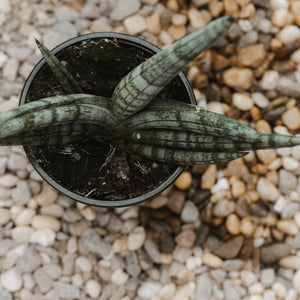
(89, 115)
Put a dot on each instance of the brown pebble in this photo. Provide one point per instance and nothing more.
(220, 62)
(231, 7)
(216, 7)
(177, 32)
(238, 78)
(209, 177)
(252, 56)
(291, 118)
(184, 181)
(186, 238)
(176, 201)
(233, 224)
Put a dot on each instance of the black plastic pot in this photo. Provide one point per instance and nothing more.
(122, 39)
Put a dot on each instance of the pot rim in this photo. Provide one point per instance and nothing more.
(129, 40)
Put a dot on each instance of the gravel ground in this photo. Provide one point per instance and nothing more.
(221, 232)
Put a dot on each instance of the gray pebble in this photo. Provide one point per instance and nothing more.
(20, 53)
(267, 276)
(21, 193)
(272, 253)
(28, 281)
(65, 28)
(287, 181)
(152, 251)
(132, 264)
(124, 8)
(218, 275)
(5, 246)
(42, 280)
(95, 244)
(233, 264)
(234, 31)
(53, 270)
(9, 88)
(66, 290)
(65, 13)
(230, 292)
(16, 162)
(250, 38)
(5, 295)
(203, 287)
(288, 87)
(296, 244)
(189, 212)
(290, 210)
(90, 11)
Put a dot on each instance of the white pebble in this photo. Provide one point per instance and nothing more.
(148, 289)
(289, 34)
(260, 100)
(135, 24)
(136, 239)
(83, 264)
(11, 280)
(290, 164)
(279, 289)
(5, 6)
(44, 237)
(193, 262)
(222, 184)
(119, 277)
(269, 80)
(242, 101)
(93, 288)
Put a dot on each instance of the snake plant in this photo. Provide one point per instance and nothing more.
(160, 129)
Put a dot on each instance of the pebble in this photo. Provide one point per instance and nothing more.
(196, 18)
(152, 251)
(247, 227)
(260, 100)
(242, 101)
(269, 80)
(167, 291)
(266, 156)
(11, 280)
(21, 193)
(42, 222)
(135, 24)
(189, 212)
(42, 280)
(65, 13)
(287, 226)
(209, 177)
(267, 190)
(291, 118)
(223, 208)
(287, 181)
(290, 262)
(233, 264)
(10, 69)
(272, 253)
(93, 288)
(4, 216)
(132, 264)
(221, 184)
(230, 248)
(47, 197)
(175, 201)
(148, 289)
(233, 224)
(136, 239)
(119, 277)
(296, 281)
(238, 78)
(5, 6)
(229, 291)
(184, 181)
(288, 87)
(267, 276)
(186, 238)
(83, 264)
(296, 244)
(252, 56)
(66, 290)
(22, 234)
(289, 34)
(124, 8)
(8, 180)
(212, 260)
(44, 237)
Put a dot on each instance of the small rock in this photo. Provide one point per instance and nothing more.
(288, 87)
(93, 288)
(233, 224)
(238, 78)
(196, 18)
(252, 56)
(267, 190)
(135, 24)
(280, 17)
(95, 244)
(247, 227)
(175, 201)
(83, 264)
(260, 100)
(267, 277)
(290, 164)
(289, 34)
(184, 181)
(8, 180)
(189, 212)
(152, 251)
(221, 185)
(44, 237)
(25, 216)
(186, 238)
(223, 208)
(233, 265)
(66, 290)
(119, 277)
(10, 69)
(148, 289)
(287, 226)
(42, 280)
(4, 216)
(132, 264)
(53, 270)
(212, 260)
(22, 234)
(11, 280)
(231, 248)
(153, 24)
(290, 262)
(289, 210)
(274, 252)
(136, 238)
(296, 244)
(124, 8)
(167, 291)
(291, 118)
(287, 181)
(65, 13)
(204, 287)
(229, 291)
(242, 101)
(266, 156)
(21, 193)
(269, 80)
(209, 177)
(43, 222)
(47, 196)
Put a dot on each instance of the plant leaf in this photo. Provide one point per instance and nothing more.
(201, 142)
(198, 120)
(64, 77)
(144, 83)
(180, 157)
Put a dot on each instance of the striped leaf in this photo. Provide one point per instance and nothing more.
(64, 77)
(200, 142)
(144, 83)
(184, 158)
(198, 120)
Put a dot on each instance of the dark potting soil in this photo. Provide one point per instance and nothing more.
(105, 170)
